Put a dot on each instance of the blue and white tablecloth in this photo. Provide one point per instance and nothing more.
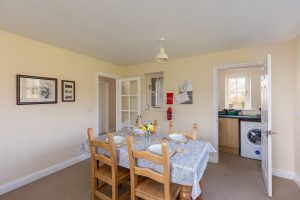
(186, 168)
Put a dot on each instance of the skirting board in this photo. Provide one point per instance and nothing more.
(297, 179)
(283, 173)
(40, 174)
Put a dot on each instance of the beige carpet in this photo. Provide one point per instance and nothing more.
(234, 178)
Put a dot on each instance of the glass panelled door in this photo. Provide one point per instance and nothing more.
(130, 101)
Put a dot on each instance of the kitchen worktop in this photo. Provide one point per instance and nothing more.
(241, 117)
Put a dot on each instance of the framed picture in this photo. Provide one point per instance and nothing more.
(36, 90)
(68, 91)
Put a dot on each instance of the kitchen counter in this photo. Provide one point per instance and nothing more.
(241, 117)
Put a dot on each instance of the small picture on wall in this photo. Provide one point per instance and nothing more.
(68, 91)
(36, 90)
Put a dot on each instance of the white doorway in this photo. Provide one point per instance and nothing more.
(265, 146)
(107, 101)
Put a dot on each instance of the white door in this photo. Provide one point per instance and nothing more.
(266, 119)
(103, 106)
(130, 101)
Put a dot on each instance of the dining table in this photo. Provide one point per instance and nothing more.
(187, 163)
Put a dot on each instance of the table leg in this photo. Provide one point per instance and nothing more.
(185, 192)
(201, 186)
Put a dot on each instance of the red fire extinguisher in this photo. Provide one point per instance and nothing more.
(169, 113)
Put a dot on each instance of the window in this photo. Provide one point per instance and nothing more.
(237, 92)
(155, 91)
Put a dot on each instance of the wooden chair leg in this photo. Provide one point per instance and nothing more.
(115, 189)
(93, 188)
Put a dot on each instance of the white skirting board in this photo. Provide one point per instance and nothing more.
(287, 175)
(283, 173)
(297, 179)
(40, 174)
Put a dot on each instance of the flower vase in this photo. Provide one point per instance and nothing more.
(148, 136)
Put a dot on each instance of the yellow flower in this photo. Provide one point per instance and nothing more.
(143, 128)
(151, 128)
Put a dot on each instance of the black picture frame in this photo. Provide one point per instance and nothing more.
(68, 91)
(35, 90)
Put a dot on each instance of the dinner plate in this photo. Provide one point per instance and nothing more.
(177, 137)
(138, 131)
(117, 139)
(156, 149)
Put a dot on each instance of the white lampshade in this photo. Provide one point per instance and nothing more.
(162, 56)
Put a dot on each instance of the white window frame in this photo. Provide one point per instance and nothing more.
(248, 104)
(149, 91)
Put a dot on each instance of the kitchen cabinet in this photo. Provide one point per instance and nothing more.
(229, 135)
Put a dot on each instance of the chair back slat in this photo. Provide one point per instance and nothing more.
(149, 173)
(109, 147)
(104, 159)
(191, 135)
(148, 156)
(104, 145)
(163, 160)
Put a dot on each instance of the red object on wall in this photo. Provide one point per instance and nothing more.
(170, 98)
(169, 113)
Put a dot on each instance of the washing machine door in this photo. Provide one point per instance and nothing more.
(253, 136)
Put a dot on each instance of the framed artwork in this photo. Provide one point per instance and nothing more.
(68, 91)
(36, 90)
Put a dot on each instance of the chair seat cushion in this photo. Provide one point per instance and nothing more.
(150, 189)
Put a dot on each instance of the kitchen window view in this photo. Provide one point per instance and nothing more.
(237, 92)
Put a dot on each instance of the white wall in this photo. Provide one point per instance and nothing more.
(34, 137)
(199, 70)
(254, 74)
(297, 106)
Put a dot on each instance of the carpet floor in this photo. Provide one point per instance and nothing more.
(234, 178)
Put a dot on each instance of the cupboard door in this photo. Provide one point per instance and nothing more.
(229, 132)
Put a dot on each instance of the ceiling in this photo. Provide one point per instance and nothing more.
(127, 32)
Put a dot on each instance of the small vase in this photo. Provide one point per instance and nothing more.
(148, 136)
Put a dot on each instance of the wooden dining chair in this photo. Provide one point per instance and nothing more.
(153, 185)
(104, 169)
(191, 135)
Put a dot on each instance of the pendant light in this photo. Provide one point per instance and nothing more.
(162, 56)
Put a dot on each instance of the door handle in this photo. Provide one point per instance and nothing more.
(271, 132)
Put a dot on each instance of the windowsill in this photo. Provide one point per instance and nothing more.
(154, 109)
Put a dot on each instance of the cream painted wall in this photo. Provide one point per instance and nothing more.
(199, 71)
(297, 105)
(254, 75)
(34, 137)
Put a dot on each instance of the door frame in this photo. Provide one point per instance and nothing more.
(112, 76)
(216, 69)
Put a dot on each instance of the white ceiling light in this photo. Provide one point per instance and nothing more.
(162, 56)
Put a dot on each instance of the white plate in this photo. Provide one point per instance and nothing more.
(177, 137)
(156, 149)
(117, 139)
(138, 131)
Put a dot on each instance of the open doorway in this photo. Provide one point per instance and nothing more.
(107, 105)
(241, 128)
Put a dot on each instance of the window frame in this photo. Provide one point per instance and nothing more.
(247, 76)
(150, 76)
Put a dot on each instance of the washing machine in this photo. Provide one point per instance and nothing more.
(251, 139)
